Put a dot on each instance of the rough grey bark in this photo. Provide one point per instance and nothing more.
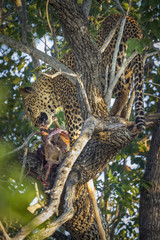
(150, 196)
(86, 54)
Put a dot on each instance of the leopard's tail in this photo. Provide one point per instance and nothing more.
(139, 104)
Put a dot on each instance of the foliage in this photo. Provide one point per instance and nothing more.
(16, 195)
(120, 185)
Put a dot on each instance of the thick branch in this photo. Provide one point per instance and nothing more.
(52, 61)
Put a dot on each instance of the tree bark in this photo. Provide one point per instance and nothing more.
(86, 54)
(150, 195)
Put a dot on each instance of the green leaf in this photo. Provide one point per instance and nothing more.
(134, 44)
(131, 46)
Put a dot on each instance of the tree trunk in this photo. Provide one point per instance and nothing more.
(150, 196)
(85, 52)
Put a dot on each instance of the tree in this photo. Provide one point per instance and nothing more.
(22, 23)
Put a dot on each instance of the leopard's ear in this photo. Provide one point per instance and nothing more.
(25, 92)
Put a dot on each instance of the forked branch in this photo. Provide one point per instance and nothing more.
(112, 84)
(68, 214)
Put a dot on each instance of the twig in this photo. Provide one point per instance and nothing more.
(24, 164)
(41, 40)
(45, 44)
(129, 6)
(147, 55)
(41, 203)
(107, 209)
(59, 73)
(91, 191)
(24, 144)
(130, 104)
(4, 231)
(21, 9)
(48, 17)
(106, 80)
(154, 84)
(37, 192)
(117, 215)
(100, 200)
(151, 95)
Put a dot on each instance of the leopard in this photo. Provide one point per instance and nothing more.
(47, 94)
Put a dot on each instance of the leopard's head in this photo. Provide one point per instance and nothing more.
(38, 107)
